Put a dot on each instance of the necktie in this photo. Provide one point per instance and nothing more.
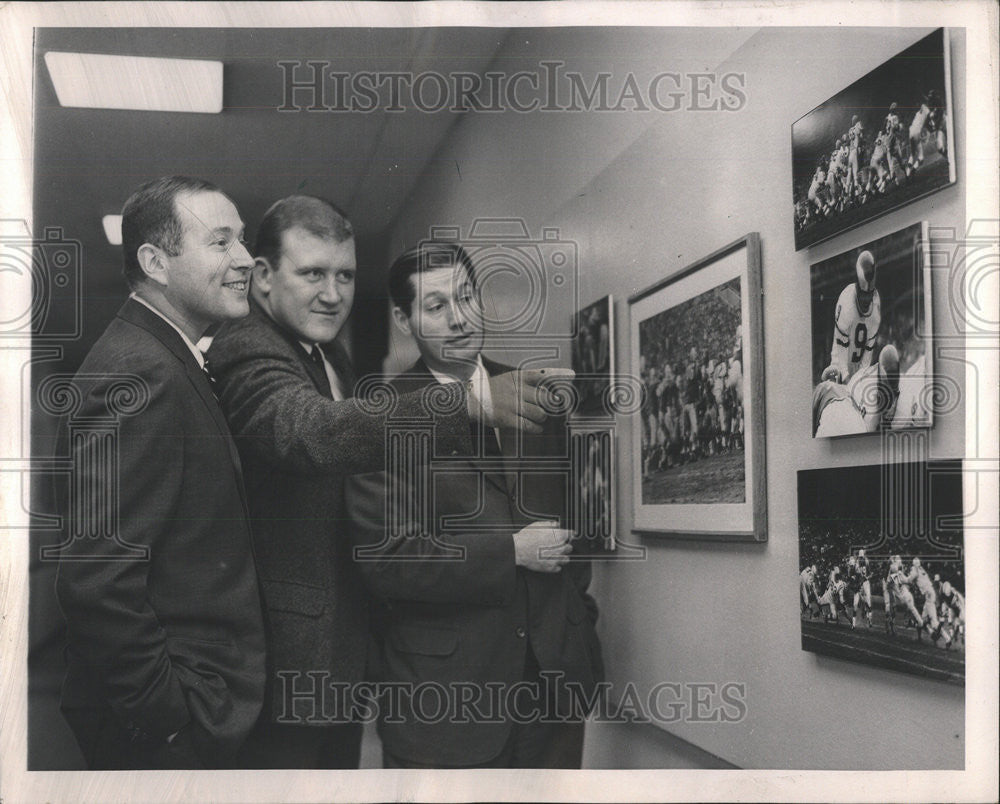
(211, 377)
(484, 437)
(317, 357)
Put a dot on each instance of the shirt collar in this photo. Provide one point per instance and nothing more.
(479, 383)
(478, 373)
(187, 341)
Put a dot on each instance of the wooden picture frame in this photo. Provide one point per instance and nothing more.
(697, 345)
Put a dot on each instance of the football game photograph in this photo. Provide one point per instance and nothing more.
(876, 145)
(594, 356)
(871, 337)
(691, 364)
(882, 568)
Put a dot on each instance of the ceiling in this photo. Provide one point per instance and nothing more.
(87, 161)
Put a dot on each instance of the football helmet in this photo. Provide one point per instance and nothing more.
(865, 270)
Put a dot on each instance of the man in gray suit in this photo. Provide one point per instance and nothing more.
(165, 636)
(285, 386)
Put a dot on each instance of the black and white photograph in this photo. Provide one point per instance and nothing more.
(880, 585)
(594, 355)
(697, 341)
(872, 367)
(691, 364)
(329, 468)
(879, 143)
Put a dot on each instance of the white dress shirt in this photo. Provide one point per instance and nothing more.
(331, 375)
(187, 341)
(479, 387)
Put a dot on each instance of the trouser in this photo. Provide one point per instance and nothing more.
(108, 744)
(292, 745)
(531, 743)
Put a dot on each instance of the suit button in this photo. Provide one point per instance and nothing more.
(520, 632)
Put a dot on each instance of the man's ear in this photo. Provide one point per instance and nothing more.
(153, 263)
(262, 271)
(402, 320)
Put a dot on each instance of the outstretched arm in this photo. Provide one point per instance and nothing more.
(278, 415)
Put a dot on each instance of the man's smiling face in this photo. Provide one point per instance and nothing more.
(208, 278)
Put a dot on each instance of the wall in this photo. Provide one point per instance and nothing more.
(644, 195)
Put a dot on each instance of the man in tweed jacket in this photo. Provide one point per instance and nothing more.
(284, 386)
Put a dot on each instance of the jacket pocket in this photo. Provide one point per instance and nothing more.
(298, 598)
(202, 655)
(425, 641)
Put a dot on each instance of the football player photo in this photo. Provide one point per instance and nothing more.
(871, 337)
(884, 584)
(876, 145)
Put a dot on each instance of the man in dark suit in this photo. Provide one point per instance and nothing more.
(489, 622)
(164, 626)
(284, 385)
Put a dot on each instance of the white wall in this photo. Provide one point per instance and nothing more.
(643, 195)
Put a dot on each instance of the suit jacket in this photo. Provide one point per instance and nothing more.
(297, 444)
(176, 637)
(468, 621)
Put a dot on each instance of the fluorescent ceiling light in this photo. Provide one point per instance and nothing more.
(113, 229)
(95, 81)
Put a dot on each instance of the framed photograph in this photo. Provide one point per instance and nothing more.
(882, 568)
(697, 345)
(594, 356)
(871, 337)
(882, 142)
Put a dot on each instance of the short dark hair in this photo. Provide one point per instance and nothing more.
(150, 216)
(317, 216)
(425, 257)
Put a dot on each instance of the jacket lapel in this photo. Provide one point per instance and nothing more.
(315, 372)
(342, 367)
(419, 376)
(141, 316)
(510, 442)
